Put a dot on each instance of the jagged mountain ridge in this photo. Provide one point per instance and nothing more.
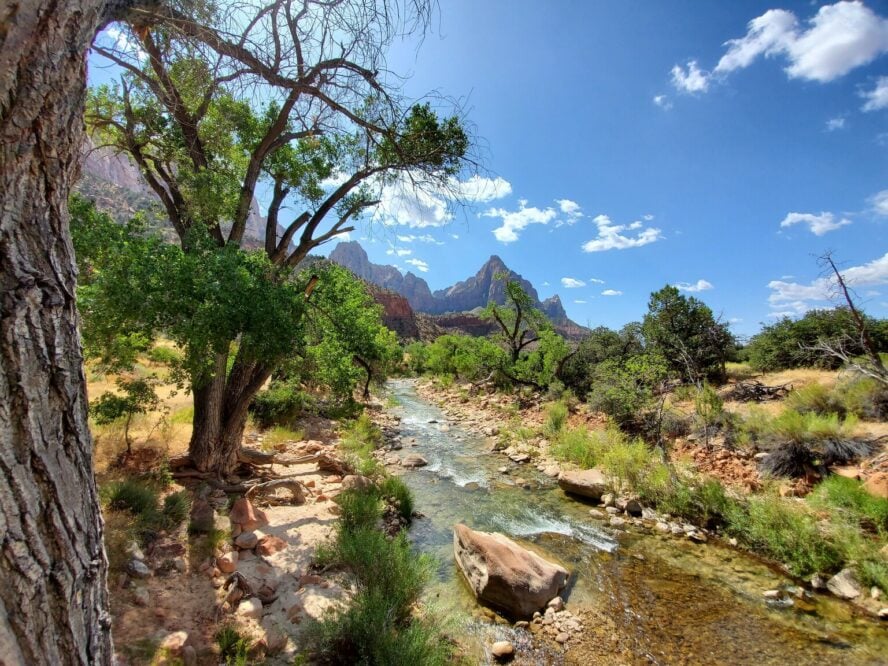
(460, 299)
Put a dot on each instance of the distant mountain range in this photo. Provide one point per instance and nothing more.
(412, 310)
(452, 307)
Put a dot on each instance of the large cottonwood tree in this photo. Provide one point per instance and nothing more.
(286, 99)
(53, 596)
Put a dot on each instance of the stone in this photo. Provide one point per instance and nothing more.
(134, 551)
(612, 511)
(519, 458)
(562, 638)
(503, 470)
(247, 540)
(648, 514)
(227, 563)
(356, 482)
(502, 650)
(551, 471)
(167, 549)
(243, 513)
(589, 483)
(174, 643)
(203, 516)
(662, 527)
(189, 655)
(180, 564)
(138, 569)
(597, 513)
(883, 613)
(608, 499)
(844, 585)
(633, 508)
(875, 592)
(772, 594)
(251, 608)
(141, 596)
(503, 574)
(617, 522)
(818, 582)
(557, 604)
(414, 460)
(269, 545)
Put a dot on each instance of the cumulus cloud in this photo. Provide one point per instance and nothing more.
(483, 190)
(790, 298)
(837, 39)
(611, 292)
(425, 238)
(399, 251)
(571, 283)
(834, 124)
(690, 79)
(663, 102)
(514, 222)
(418, 264)
(877, 98)
(880, 203)
(611, 236)
(596, 281)
(571, 209)
(817, 224)
(699, 285)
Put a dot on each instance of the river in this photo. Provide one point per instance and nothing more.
(672, 601)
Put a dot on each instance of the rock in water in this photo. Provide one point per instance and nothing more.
(414, 460)
(844, 585)
(589, 483)
(503, 574)
(502, 650)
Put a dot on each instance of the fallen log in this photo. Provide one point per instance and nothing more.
(297, 490)
(755, 391)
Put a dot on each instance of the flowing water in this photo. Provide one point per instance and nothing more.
(675, 601)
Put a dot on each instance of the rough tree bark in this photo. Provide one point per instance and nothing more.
(53, 596)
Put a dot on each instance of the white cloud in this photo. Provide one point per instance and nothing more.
(425, 238)
(611, 292)
(699, 285)
(877, 98)
(454, 236)
(596, 281)
(735, 320)
(399, 251)
(122, 41)
(579, 301)
(690, 80)
(880, 203)
(817, 224)
(515, 221)
(795, 298)
(663, 102)
(571, 209)
(834, 124)
(418, 264)
(837, 39)
(610, 236)
(571, 283)
(647, 217)
(545, 284)
(480, 189)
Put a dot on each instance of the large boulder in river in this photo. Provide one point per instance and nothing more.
(503, 574)
(589, 483)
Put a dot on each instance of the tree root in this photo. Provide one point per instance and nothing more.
(297, 489)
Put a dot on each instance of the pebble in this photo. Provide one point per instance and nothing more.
(227, 563)
(616, 521)
(141, 596)
(556, 604)
(772, 594)
(883, 613)
(612, 510)
(246, 540)
(662, 527)
(502, 650)
(562, 638)
(138, 569)
(595, 513)
(251, 608)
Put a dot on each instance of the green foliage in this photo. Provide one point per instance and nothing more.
(137, 396)
(628, 463)
(233, 648)
(416, 357)
(625, 390)
(175, 508)
(814, 398)
(141, 501)
(378, 627)
(849, 498)
(709, 410)
(137, 498)
(577, 446)
(862, 396)
(787, 343)
(556, 417)
(684, 331)
(602, 344)
(164, 355)
(396, 491)
(785, 531)
(280, 404)
(463, 357)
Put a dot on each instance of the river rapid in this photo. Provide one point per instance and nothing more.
(670, 600)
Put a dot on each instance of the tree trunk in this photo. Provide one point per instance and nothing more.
(53, 597)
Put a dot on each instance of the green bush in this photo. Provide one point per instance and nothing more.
(785, 531)
(396, 491)
(233, 648)
(556, 417)
(814, 398)
(175, 509)
(863, 397)
(164, 355)
(850, 498)
(133, 496)
(280, 404)
(628, 463)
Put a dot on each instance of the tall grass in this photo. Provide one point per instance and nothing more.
(556, 418)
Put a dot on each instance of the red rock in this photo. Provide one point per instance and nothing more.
(243, 513)
(269, 545)
(310, 579)
(877, 484)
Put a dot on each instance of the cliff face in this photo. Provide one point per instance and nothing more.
(452, 306)
(397, 313)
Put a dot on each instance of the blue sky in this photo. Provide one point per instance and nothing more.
(630, 145)
(563, 96)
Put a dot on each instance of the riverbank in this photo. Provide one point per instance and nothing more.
(735, 586)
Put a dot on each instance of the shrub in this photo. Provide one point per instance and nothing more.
(785, 531)
(175, 509)
(279, 404)
(164, 355)
(863, 397)
(132, 496)
(233, 647)
(628, 462)
(279, 435)
(814, 398)
(709, 410)
(556, 417)
(849, 497)
(397, 492)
